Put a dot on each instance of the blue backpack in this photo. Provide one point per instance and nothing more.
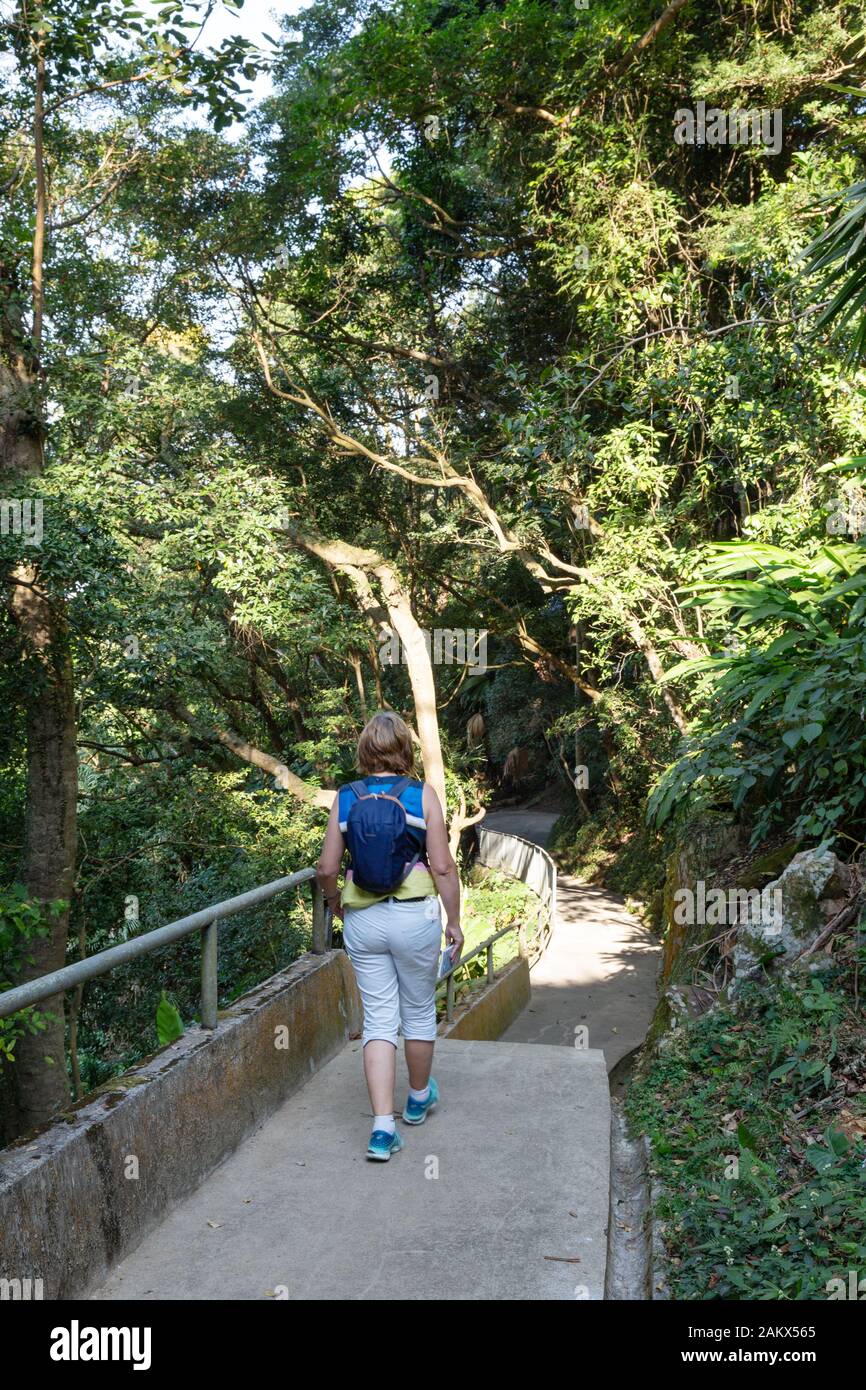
(378, 838)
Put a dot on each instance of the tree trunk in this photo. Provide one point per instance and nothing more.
(358, 564)
(20, 442)
(420, 670)
(39, 1079)
(656, 670)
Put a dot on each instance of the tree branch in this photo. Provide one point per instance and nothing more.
(285, 779)
(665, 18)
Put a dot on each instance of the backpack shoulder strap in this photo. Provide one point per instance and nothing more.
(399, 787)
(359, 788)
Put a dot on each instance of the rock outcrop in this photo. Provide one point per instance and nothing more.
(811, 890)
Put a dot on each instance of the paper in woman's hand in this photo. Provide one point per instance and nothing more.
(445, 961)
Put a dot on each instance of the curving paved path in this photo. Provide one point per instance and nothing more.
(600, 969)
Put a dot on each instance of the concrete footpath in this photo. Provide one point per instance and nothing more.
(501, 1194)
(599, 971)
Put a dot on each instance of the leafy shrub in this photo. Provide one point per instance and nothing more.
(758, 1148)
(21, 921)
(781, 734)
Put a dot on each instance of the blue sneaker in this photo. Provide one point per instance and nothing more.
(417, 1110)
(382, 1145)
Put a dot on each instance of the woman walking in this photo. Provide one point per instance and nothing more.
(394, 828)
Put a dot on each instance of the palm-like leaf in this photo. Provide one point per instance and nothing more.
(838, 259)
(785, 722)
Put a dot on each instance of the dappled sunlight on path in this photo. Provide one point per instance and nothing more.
(599, 971)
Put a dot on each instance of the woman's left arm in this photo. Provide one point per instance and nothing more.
(331, 858)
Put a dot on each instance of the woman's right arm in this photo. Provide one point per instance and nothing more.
(442, 866)
(328, 867)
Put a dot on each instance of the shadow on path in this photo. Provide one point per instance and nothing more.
(599, 971)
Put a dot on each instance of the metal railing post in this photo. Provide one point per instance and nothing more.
(204, 922)
(320, 926)
(209, 963)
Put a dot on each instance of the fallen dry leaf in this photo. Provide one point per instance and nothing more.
(852, 1126)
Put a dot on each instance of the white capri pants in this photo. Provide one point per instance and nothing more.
(394, 950)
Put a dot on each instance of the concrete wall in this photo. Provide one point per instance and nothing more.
(494, 1008)
(83, 1192)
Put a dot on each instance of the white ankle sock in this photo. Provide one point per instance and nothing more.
(385, 1122)
(419, 1095)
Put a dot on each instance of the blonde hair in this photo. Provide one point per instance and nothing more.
(385, 745)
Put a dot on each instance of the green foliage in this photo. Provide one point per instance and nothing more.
(610, 848)
(169, 1024)
(22, 921)
(760, 1156)
(167, 845)
(838, 259)
(668, 382)
(782, 734)
(491, 901)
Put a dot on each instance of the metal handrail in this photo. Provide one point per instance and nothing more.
(543, 933)
(537, 947)
(448, 978)
(536, 848)
(43, 987)
(205, 921)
